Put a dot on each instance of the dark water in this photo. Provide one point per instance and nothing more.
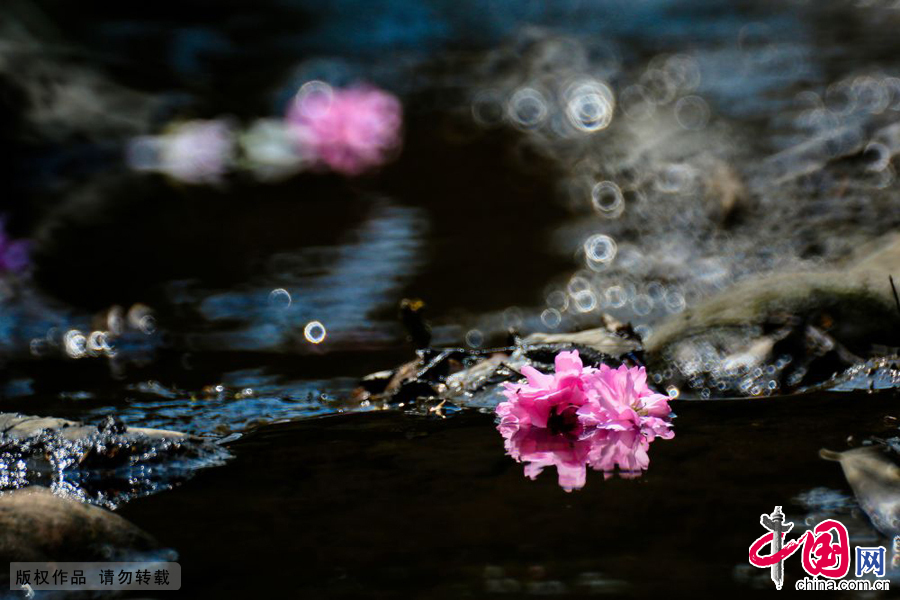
(393, 505)
(219, 289)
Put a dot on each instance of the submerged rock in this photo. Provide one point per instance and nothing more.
(37, 525)
(875, 480)
(105, 464)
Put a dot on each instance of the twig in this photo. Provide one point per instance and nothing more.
(894, 289)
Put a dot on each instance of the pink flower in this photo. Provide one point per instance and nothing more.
(622, 400)
(578, 417)
(348, 130)
(548, 400)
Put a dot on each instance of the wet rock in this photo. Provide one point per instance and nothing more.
(783, 331)
(472, 377)
(37, 525)
(875, 480)
(106, 464)
(600, 340)
(873, 375)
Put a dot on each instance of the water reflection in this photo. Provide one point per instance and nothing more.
(622, 452)
(316, 296)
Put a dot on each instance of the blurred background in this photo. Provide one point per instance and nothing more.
(212, 210)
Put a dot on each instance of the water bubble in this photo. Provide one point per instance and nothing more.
(683, 72)
(585, 301)
(38, 347)
(658, 86)
(589, 106)
(692, 112)
(75, 343)
(840, 98)
(314, 99)
(616, 297)
(642, 304)
(673, 392)
(578, 284)
(551, 318)
(140, 317)
(675, 301)
(527, 107)
(871, 95)
(147, 324)
(877, 156)
(474, 338)
(280, 298)
(884, 178)
(97, 343)
(656, 291)
(513, 318)
(314, 332)
(558, 300)
(600, 248)
(607, 199)
(487, 108)
(115, 320)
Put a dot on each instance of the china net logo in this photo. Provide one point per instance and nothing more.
(825, 555)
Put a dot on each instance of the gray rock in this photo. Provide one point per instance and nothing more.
(37, 525)
(821, 322)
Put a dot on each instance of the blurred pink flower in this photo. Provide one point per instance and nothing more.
(603, 418)
(14, 254)
(196, 152)
(199, 151)
(347, 130)
(547, 399)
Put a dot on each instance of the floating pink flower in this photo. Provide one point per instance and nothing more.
(349, 130)
(621, 400)
(579, 417)
(548, 400)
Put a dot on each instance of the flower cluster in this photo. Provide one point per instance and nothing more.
(580, 416)
(348, 131)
